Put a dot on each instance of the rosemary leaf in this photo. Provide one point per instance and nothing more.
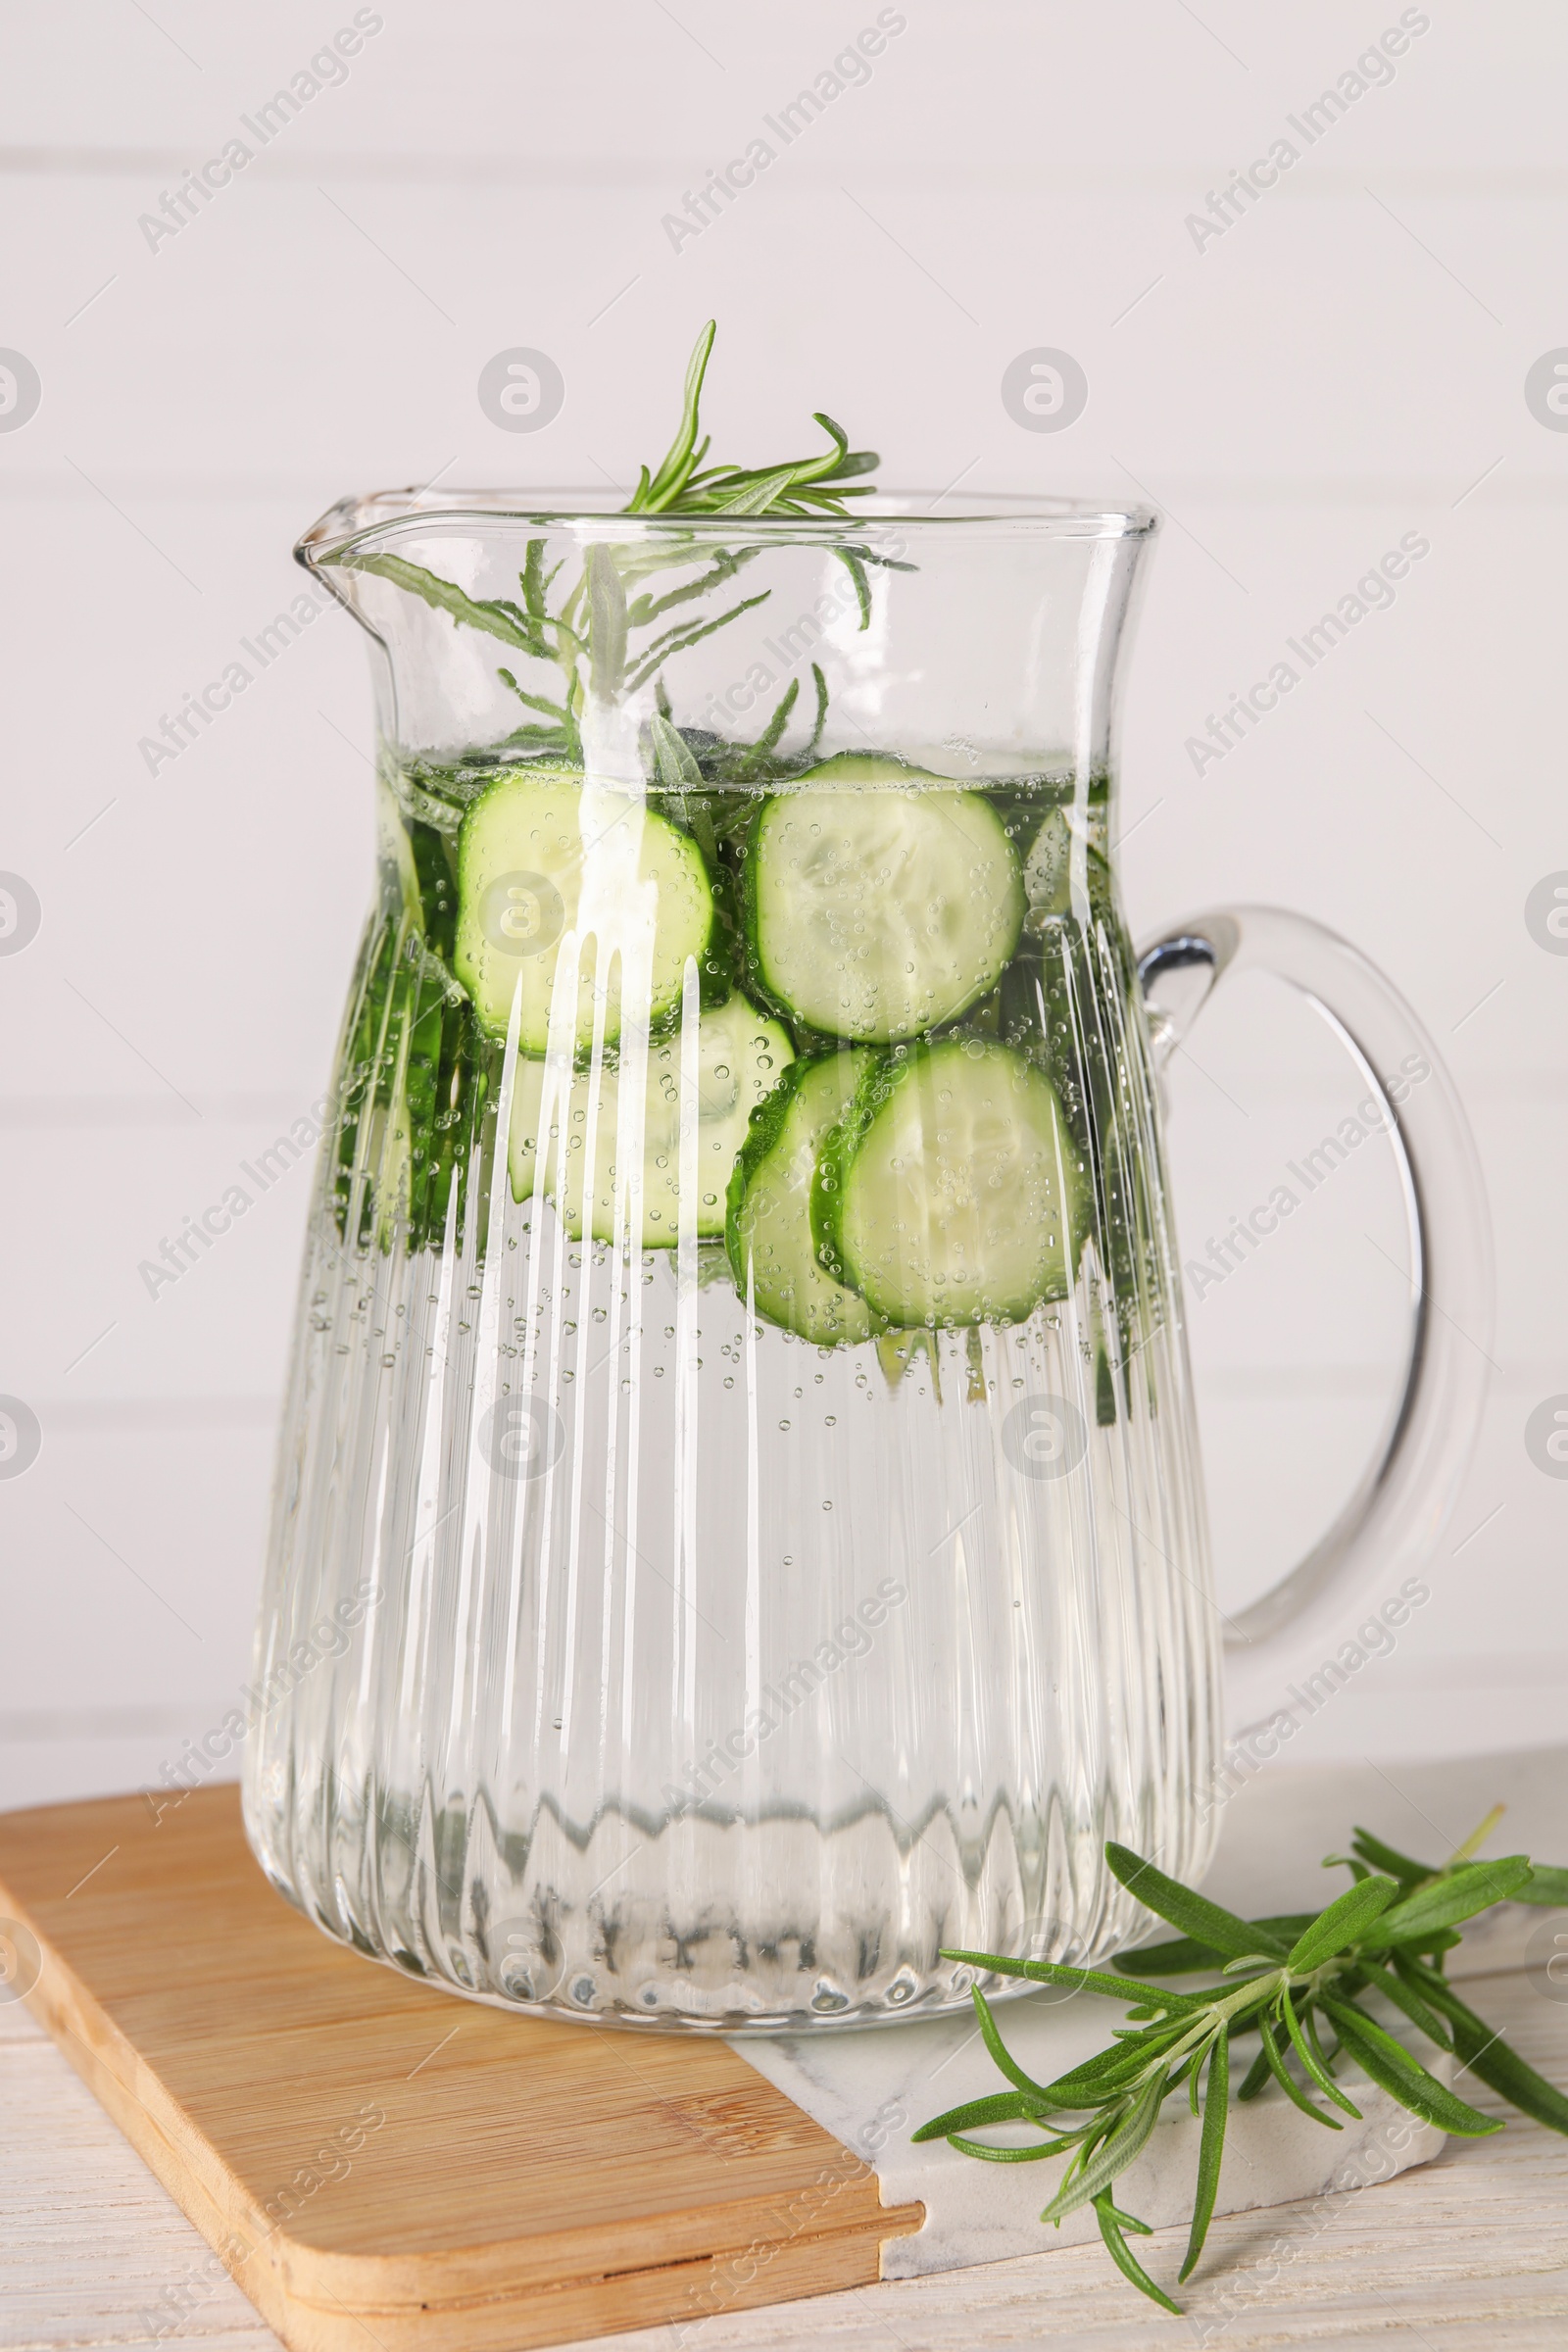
(1391, 2064)
(1341, 1924)
(1385, 1857)
(1000, 2107)
(1083, 1979)
(1127, 2221)
(535, 702)
(1487, 2055)
(991, 2154)
(1120, 2149)
(821, 716)
(1395, 1987)
(1182, 1957)
(675, 641)
(1210, 2147)
(855, 568)
(1193, 1913)
(752, 497)
(652, 496)
(1448, 1899)
(1002, 2054)
(1274, 2059)
(644, 608)
(492, 616)
(1256, 2077)
(1314, 2067)
(534, 580)
(1126, 2261)
(759, 754)
(1325, 2058)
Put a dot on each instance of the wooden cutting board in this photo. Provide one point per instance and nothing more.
(378, 2164)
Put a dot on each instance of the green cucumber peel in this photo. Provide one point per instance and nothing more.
(838, 1151)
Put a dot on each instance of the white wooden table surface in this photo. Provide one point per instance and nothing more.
(1469, 2252)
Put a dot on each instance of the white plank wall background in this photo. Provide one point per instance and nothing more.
(1346, 364)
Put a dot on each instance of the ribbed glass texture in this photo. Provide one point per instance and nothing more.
(624, 1654)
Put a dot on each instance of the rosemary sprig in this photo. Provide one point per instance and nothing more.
(800, 486)
(595, 637)
(1388, 1932)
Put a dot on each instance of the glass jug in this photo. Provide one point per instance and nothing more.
(739, 1527)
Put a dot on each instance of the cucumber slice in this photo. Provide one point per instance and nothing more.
(768, 1232)
(880, 901)
(741, 1056)
(542, 855)
(1048, 871)
(523, 1134)
(950, 1193)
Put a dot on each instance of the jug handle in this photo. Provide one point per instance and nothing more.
(1390, 1527)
